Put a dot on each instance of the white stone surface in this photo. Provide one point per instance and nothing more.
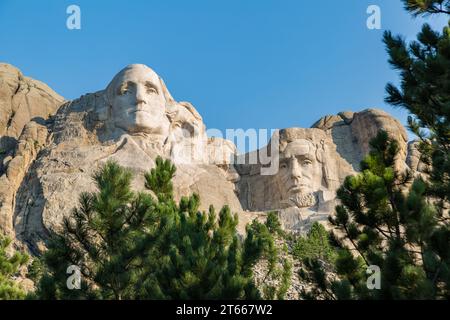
(134, 120)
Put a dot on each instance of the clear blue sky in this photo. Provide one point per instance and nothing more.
(243, 64)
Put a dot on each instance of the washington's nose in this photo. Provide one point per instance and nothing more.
(140, 98)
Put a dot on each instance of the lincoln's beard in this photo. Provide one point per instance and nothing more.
(301, 200)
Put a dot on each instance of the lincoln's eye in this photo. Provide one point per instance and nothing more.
(283, 165)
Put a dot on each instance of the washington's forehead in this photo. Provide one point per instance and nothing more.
(138, 75)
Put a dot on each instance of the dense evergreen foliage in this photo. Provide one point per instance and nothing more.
(144, 245)
(378, 223)
(315, 245)
(424, 67)
(385, 218)
(10, 263)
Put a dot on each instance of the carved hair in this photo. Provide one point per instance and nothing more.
(289, 135)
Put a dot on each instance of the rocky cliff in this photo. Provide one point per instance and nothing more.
(51, 147)
(25, 106)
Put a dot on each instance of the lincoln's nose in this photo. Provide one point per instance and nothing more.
(296, 171)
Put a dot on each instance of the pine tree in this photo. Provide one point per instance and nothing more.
(201, 255)
(424, 67)
(380, 223)
(104, 238)
(266, 247)
(424, 7)
(146, 246)
(404, 232)
(315, 245)
(10, 263)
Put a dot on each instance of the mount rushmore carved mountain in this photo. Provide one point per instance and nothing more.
(50, 147)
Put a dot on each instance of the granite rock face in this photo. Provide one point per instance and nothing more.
(134, 120)
(21, 100)
(25, 105)
(351, 132)
(313, 163)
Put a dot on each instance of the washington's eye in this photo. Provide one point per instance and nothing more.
(307, 162)
(123, 90)
(151, 89)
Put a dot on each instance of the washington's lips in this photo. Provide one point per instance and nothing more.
(139, 110)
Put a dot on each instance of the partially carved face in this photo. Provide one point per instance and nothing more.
(137, 101)
(299, 169)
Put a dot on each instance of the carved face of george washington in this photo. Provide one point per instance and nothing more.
(137, 100)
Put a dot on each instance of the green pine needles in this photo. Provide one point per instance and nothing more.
(384, 220)
(144, 245)
(10, 263)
